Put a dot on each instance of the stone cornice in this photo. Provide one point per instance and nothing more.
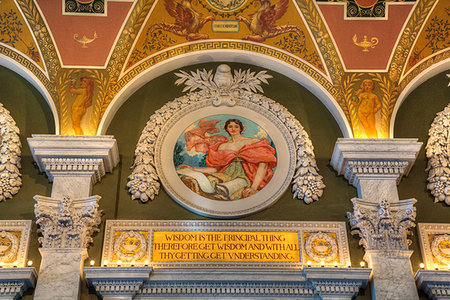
(338, 282)
(15, 281)
(74, 155)
(123, 281)
(374, 158)
(436, 284)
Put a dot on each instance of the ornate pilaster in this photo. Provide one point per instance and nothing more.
(66, 226)
(384, 228)
(117, 283)
(15, 281)
(375, 166)
(69, 218)
(74, 163)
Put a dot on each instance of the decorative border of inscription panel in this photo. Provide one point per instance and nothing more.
(14, 241)
(435, 245)
(225, 244)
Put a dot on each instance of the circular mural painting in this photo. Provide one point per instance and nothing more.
(226, 5)
(225, 157)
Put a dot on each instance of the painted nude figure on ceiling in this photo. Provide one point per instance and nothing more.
(82, 101)
(369, 105)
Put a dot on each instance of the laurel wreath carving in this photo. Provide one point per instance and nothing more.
(438, 154)
(10, 177)
(143, 183)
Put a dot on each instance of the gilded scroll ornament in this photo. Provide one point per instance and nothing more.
(438, 154)
(228, 95)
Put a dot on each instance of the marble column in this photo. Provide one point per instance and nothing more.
(70, 216)
(375, 167)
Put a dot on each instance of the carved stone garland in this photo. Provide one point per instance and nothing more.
(382, 226)
(438, 154)
(225, 88)
(10, 177)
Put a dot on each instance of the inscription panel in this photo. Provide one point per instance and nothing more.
(234, 244)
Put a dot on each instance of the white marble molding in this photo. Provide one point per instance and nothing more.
(435, 283)
(147, 283)
(224, 93)
(14, 248)
(435, 245)
(10, 177)
(15, 281)
(438, 154)
(336, 250)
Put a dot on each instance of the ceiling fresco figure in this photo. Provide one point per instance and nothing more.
(188, 21)
(262, 23)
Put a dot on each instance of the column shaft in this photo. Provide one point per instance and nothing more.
(59, 276)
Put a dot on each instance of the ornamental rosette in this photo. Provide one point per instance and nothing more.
(438, 154)
(224, 89)
(10, 177)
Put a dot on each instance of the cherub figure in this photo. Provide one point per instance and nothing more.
(82, 101)
(369, 105)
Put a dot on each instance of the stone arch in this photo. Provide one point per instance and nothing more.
(224, 55)
(413, 84)
(29, 76)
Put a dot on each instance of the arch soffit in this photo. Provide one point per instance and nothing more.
(239, 56)
(413, 84)
(31, 78)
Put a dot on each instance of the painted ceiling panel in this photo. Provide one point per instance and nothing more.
(365, 44)
(15, 33)
(284, 30)
(434, 37)
(84, 40)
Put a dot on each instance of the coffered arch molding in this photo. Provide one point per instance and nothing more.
(19, 69)
(417, 81)
(223, 55)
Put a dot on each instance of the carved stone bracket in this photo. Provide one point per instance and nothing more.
(15, 281)
(124, 282)
(67, 223)
(59, 155)
(375, 166)
(438, 154)
(384, 225)
(436, 284)
(337, 283)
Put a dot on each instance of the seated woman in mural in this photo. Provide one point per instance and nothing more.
(236, 168)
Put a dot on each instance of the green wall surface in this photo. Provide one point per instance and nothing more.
(413, 120)
(33, 116)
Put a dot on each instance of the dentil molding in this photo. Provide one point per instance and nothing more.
(74, 155)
